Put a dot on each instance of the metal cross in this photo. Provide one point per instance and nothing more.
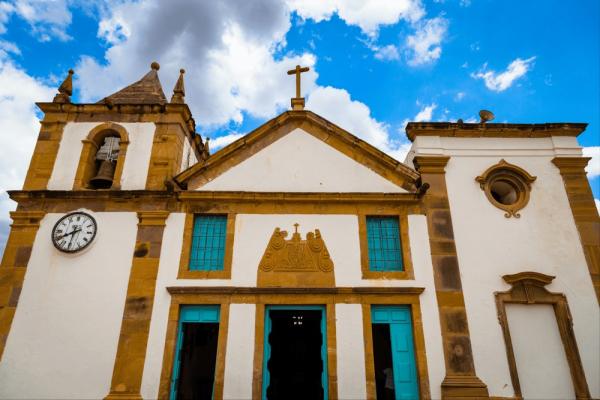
(298, 70)
(296, 225)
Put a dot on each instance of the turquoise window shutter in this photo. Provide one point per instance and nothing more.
(208, 243)
(383, 238)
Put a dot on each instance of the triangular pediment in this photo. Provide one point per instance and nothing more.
(300, 152)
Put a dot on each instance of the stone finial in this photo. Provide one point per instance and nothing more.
(155, 66)
(179, 89)
(65, 90)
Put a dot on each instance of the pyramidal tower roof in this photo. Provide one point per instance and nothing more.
(147, 90)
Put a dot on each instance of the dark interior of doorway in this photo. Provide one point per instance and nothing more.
(198, 359)
(295, 365)
(382, 352)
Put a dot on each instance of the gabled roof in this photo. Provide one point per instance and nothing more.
(147, 90)
(331, 134)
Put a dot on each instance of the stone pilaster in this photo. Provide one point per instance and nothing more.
(585, 213)
(14, 264)
(135, 327)
(461, 380)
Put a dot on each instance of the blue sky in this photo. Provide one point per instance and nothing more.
(374, 65)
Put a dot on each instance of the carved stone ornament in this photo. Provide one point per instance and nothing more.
(507, 187)
(296, 262)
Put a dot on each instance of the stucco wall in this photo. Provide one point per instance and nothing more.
(542, 364)
(489, 245)
(65, 332)
(299, 162)
(252, 233)
(135, 169)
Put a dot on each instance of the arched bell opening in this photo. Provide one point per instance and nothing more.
(102, 158)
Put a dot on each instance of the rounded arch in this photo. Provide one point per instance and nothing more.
(88, 167)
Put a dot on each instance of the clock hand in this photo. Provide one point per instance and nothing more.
(70, 233)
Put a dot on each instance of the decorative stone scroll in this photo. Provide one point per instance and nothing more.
(296, 262)
(507, 187)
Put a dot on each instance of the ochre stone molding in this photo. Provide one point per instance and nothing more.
(515, 178)
(184, 260)
(477, 130)
(135, 327)
(91, 144)
(44, 154)
(461, 380)
(585, 213)
(296, 262)
(407, 272)
(14, 265)
(529, 288)
(334, 136)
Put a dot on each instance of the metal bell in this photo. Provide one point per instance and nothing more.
(104, 178)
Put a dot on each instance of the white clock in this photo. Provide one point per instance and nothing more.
(74, 232)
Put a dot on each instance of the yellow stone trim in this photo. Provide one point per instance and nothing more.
(585, 213)
(14, 265)
(152, 218)
(135, 326)
(408, 272)
(184, 271)
(343, 141)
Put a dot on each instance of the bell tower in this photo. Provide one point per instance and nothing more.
(134, 139)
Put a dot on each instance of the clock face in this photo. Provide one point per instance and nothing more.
(74, 232)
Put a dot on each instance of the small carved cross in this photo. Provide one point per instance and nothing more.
(296, 225)
(298, 70)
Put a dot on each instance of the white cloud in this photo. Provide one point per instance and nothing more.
(367, 15)
(223, 141)
(597, 205)
(426, 113)
(228, 49)
(499, 82)
(6, 48)
(19, 127)
(337, 106)
(593, 167)
(459, 96)
(47, 18)
(389, 52)
(424, 46)
(6, 9)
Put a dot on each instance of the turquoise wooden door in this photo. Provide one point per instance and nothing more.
(187, 315)
(267, 347)
(406, 383)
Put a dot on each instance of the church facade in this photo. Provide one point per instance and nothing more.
(298, 261)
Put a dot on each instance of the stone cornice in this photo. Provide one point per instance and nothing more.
(453, 129)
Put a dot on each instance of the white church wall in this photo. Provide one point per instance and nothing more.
(299, 162)
(239, 359)
(64, 336)
(350, 352)
(541, 363)
(252, 234)
(135, 169)
(186, 160)
(489, 245)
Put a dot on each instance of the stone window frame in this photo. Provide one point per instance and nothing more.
(407, 273)
(91, 144)
(184, 261)
(516, 176)
(529, 288)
